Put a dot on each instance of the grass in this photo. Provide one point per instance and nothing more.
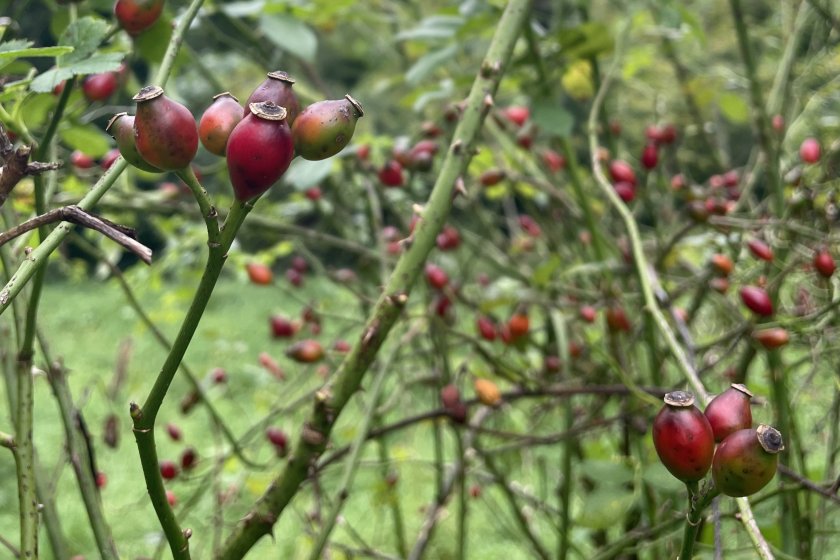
(88, 325)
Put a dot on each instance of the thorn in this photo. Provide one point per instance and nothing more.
(488, 101)
(418, 209)
(460, 189)
(456, 146)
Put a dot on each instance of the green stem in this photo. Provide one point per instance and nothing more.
(144, 418)
(352, 464)
(175, 42)
(348, 377)
(80, 460)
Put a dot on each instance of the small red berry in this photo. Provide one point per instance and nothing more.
(650, 156)
(282, 327)
(99, 87)
(771, 338)
(587, 313)
(171, 499)
(294, 277)
(722, 264)
(218, 375)
(391, 174)
(486, 327)
(516, 114)
(259, 273)
(81, 160)
(620, 171)
(174, 431)
(305, 351)
(625, 191)
(436, 276)
(617, 320)
(810, 151)
(760, 249)
(757, 300)
(824, 263)
(109, 158)
(168, 469)
(188, 458)
(553, 161)
(135, 16)
(492, 177)
(165, 131)
(518, 325)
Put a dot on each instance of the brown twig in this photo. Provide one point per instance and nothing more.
(810, 485)
(16, 165)
(120, 234)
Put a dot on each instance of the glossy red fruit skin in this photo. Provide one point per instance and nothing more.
(259, 150)
(621, 171)
(824, 263)
(810, 151)
(164, 130)
(771, 338)
(517, 114)
(650, 156)
(99, 87)
(760, 249)
(391, 174)
(218, 121)
(746, 460)
(324, 128)
(729, 411)
(135, 16)
(757, 300)
(277, 88)
(121, 127)
(683, 437)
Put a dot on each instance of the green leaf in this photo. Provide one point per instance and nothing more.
(8, 56)
(104, 62)
(733, 107)
(587, 40)
(87, 138)
(242, 9)
(607, 472)
(544, 272)
(291, 35)
(84, 35)
(428, 63)
(552, 117)
(436, 27)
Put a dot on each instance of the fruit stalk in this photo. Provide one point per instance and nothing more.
(347, 379)
(144, 417)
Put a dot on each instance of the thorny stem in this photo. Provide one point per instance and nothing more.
(347, 379)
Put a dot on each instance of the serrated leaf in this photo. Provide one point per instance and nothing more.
(84, 35)
(733, 107)
(428, 63)
(553, 118)
(34, 51)
(15, 45)
(48, 80)
(87, 138)
(291, 35)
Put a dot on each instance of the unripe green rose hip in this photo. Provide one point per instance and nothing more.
(324, 128)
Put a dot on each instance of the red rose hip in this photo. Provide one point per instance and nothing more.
(824, 263)
(259, 150)
(683, 437)
(757, 300)
(121, 127)
(324, 128)
(164, 130)
(135, 16)
(746, 460)
(218, 121)
(277, 88)
(729, 411)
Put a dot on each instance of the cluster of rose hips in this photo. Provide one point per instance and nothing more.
(258, 141)
(685, 439)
